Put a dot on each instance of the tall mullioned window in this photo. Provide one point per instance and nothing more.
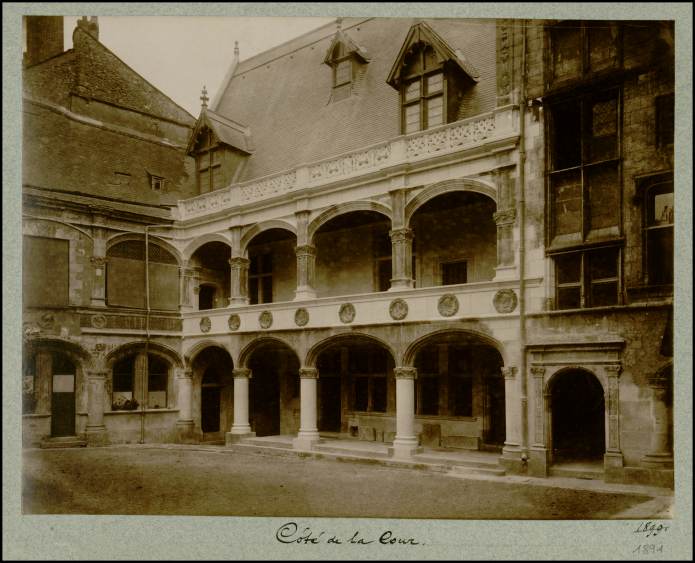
(423, 90)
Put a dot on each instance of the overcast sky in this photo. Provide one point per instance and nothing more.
(180, 54)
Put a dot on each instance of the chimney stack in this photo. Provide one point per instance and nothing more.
(90, 25)
(44, 38)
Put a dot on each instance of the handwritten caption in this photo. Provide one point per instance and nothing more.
(650, 530)
(292, 533)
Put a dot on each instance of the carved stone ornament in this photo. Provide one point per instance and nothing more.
(505, 301)
(46, 321)
(347, 312)
(398, 309)
(448, 305)
(234, 322)
(301, 317)
(98, 321)
(265, 319)
(205, 324)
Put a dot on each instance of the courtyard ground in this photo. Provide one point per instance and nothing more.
(211, 481)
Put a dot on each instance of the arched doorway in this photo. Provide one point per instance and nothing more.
(62, 396)
(213, 393)
(578, 417)
(211, 261)
(210, 401)
(272, 266)
(274, 389)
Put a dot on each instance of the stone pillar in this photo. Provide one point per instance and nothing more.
(401, 258)
(99, 285)
(406, 442)
(187, 283)
(613, 458)
(240, 427)
(538, 452)
(306, 265)
(505, 219)
(308, 430)
(511, 452)
(660, 455)
(43, 380)
(140, 380)
(239, 284)
(184, 397)
(95, 432)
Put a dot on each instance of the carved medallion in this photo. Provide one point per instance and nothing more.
(265, 319)
(234, 322)
(505, 301)
(98, 321)
(46, 321)
(398, 309)
(205, 324)
(448, 305)
(347, 312)
(301, 317)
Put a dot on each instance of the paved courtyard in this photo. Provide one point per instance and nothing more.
(216, 482)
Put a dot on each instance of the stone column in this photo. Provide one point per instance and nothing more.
(511, 452)
(401, 258)
(140, 380)
(43, 381)
(613, 458)
(538, 452)
(308, 430)
(239, 284)
(187, 284)
(660, 455)
(505, 219)
(95, 432)
(306, 265)
(99, 285)
(184, 397)
(240, 427)
(406, 442)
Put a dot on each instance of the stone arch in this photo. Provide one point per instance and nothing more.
(258, 228)
(197, 242)
(408, 359)
(252, 346)
(73, 350)
(153, 239)
(192, 353)
(64, 223)
(552, 377)
(352, 336)
(161, 350)
(343, 208)
(448, 186)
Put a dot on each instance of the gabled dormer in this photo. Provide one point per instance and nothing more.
(347, 60)
(220, 147)
(432, 78)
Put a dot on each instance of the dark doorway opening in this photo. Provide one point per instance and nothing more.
(210, 401)
(63, 397)
(329, 399)
(578, 417)
(206, 297)
(495, 429)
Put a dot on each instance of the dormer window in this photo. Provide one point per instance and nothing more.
(432, 79)
(343, 73)
(346, 59)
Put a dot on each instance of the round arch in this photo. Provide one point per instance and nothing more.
(117, 239)
(252, 346)
(72, 350)
(253, 231)
(448, 186)
(165, 352)
(553, 377)
(197, 242)
(191, 355)
(348, 337)
(412, 350)
(29, 220)
(342, 209)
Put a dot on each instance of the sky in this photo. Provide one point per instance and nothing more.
(179, 54)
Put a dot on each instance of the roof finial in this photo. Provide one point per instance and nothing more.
(236, 49)
(339, 23)
(204, 97)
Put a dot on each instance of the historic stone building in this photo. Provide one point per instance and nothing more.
(441, 234)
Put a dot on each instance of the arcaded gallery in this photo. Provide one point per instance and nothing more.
(407, 237)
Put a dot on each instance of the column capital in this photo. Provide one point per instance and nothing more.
(658, 382)
(505, 216)
(401, 235)
(509, 372)
(241, 373)
(613, 370)
(239, 262)
(537, 371)
(308, 373)
(183, 373)
(98, 261)
(97, 374)
(405, 373)
(305, 250)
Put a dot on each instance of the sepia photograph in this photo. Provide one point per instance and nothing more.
(350, 282)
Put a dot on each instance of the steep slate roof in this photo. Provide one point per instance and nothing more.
(227, 131)
(283, 94)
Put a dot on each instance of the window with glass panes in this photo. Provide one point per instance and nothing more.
(261, 278)
(587, 278)
(658, 233)
(422, 93)
(368, 368)
(209, 163)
